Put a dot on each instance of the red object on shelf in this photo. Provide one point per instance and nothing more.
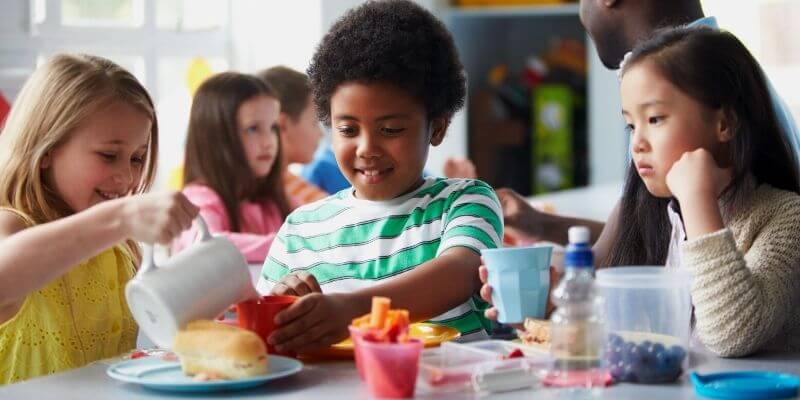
(5, 108)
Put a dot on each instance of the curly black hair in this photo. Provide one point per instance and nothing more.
(394, 41)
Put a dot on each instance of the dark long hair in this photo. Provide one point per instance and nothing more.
(715, 69)
(215, 156)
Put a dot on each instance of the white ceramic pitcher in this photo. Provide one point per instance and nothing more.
(201, 282)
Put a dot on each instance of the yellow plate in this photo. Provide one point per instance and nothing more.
(431, 335)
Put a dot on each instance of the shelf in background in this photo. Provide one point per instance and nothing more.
(570, 9)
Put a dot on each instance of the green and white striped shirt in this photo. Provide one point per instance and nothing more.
(350, 244)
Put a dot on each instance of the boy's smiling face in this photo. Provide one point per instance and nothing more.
(381, 136)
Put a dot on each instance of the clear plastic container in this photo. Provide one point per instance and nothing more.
(648, 315)
(482, 366)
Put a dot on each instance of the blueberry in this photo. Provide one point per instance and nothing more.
(657, 348)
(667, 371)
(615, 340)
(614, 354)
(644, 356)
(617, 371)
(631, 353)
(629, 374)
(678, 353)
(645, 375)
(664, 362)
(644, 347)
(647, 361)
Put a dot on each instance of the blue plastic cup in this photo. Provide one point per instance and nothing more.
(520, 281)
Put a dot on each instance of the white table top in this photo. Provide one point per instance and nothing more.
(339, 380)
(592, 202)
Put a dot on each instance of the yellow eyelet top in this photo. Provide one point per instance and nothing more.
(78, 318)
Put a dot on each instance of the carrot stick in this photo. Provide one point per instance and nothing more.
(380, 307)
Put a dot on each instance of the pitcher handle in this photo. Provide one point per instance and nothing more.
(204, 233)
(148, 260)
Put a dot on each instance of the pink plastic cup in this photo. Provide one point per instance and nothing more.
(390, 369)
(355, 335)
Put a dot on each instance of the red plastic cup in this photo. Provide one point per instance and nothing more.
(390, 369)
(258, 315)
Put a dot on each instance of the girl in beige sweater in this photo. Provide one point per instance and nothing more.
(712, 187)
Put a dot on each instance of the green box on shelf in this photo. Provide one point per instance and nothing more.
(552, 143)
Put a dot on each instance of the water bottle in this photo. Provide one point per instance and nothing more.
(577, 327)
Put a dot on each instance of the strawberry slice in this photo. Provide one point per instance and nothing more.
(516, 353)
(139, 354)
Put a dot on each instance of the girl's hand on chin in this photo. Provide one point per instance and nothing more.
(696, 175)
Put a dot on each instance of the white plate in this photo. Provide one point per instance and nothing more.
(155, 373)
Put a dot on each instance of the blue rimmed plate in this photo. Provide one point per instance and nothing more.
(155, 373)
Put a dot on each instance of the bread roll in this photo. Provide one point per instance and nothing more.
(220, 351)
(536, 333)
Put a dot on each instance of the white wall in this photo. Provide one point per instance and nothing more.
(17, 59)
(266, 35)
(607, 139)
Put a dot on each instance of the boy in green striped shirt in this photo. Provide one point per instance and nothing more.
(387, 79)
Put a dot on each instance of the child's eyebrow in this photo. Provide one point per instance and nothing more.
(393, 116)
(121, 142)
(646, 105)
(651, 103)
(381, 118)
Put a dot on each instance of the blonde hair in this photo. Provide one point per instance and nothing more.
(55, 100)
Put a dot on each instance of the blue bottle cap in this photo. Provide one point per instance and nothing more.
(746, 385)
(578, 255)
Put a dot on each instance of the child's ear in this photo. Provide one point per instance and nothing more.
(45, 164)
(726, 120)
(438, 129)
(283, 122)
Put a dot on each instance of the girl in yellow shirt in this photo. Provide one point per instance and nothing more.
(76, 154)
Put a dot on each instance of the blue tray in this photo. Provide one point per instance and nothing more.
(746, 385)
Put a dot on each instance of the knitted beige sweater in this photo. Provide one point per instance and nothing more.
(746, 284)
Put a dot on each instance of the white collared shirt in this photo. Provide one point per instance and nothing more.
(676, 237)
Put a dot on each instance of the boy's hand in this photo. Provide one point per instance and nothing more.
(297, 284)
(519, 215)
(458, 167)
(313, 322)
(486, 294)
(157, 217)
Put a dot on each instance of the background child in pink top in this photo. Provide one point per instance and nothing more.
(232, 170)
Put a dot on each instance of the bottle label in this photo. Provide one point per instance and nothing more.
(578, 343)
